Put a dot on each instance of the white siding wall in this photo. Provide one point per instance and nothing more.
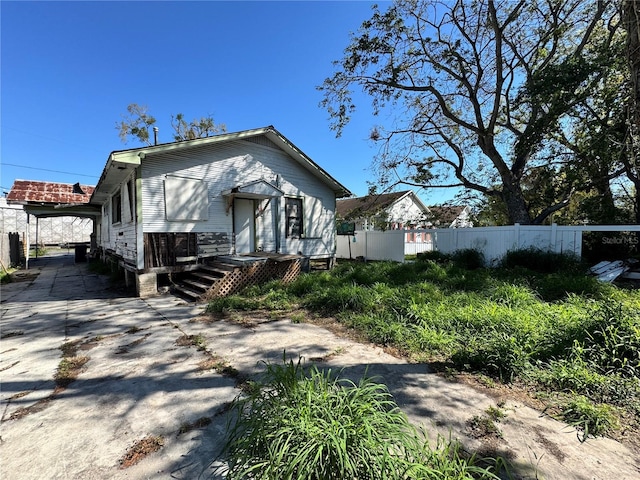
(405, 212)
(226, 166)
(121, 237)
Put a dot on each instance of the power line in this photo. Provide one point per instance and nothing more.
(46, 170)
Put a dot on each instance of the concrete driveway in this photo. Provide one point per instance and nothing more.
(148, 369)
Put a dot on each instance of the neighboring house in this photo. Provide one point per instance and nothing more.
(450, 216)
(386, 211)
(167, 207)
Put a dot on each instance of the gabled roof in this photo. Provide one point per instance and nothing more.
(445, 214)
(121, 163)
(353, 208)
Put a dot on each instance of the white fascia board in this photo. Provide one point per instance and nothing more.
(119, 166)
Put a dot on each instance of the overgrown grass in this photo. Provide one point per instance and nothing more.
(5, 276)
(315, 425)
(539, 320)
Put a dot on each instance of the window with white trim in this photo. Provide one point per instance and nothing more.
(293, 209)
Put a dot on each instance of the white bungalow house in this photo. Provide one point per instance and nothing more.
(386, 211)
(252, 194)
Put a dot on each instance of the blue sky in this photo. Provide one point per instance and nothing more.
(69, 70)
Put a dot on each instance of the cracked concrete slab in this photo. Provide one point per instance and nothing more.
(140, 379)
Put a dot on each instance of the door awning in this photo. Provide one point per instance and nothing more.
(258, 189)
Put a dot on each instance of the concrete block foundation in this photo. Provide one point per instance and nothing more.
(146, 285)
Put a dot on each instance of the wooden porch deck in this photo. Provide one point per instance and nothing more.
(228, 274)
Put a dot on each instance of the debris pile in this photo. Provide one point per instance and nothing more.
(610, 271)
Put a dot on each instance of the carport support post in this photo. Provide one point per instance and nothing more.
(27, 241)
(37, 225)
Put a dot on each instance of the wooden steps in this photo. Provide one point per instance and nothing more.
(227, 275)
(195, 284)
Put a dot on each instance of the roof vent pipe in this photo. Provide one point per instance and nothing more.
(155, 135)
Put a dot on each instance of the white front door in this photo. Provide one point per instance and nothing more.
(244, 225)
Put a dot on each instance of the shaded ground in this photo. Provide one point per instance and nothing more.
(149, 398)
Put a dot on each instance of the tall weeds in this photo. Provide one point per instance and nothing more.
(545, 323)
(314, 425)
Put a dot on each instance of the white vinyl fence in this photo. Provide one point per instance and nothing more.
(493, 242)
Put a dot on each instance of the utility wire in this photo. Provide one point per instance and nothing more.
(46, 170)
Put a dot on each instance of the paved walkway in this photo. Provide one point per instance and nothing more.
(140, 380)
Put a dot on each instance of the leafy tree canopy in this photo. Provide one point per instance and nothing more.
(137, 122)
(475, 90)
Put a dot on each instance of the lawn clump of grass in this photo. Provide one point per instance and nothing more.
(486, 425)
(68, 370)
(539, 321)
(270, 297)
(589, 418)
(5, 276)
(71, 364)
(312, 424)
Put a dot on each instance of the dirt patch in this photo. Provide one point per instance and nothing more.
(39, 406)
(9, 366)
(24, 276)
(11, 333)
(199, 423)
(549, 446)
(69, 368)
(140, 450)
(125, 348)
(197, 341)
(70, 349)
(336, 353)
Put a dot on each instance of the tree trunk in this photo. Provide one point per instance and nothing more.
(607, 212)
(631, 22)
(517, 209)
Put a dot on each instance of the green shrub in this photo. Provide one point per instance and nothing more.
(542, 261)
(468, 258)
(314, 425)
(433, 256)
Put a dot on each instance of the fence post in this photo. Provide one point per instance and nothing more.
(554, 236)
(516, 234)
(366, 245)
